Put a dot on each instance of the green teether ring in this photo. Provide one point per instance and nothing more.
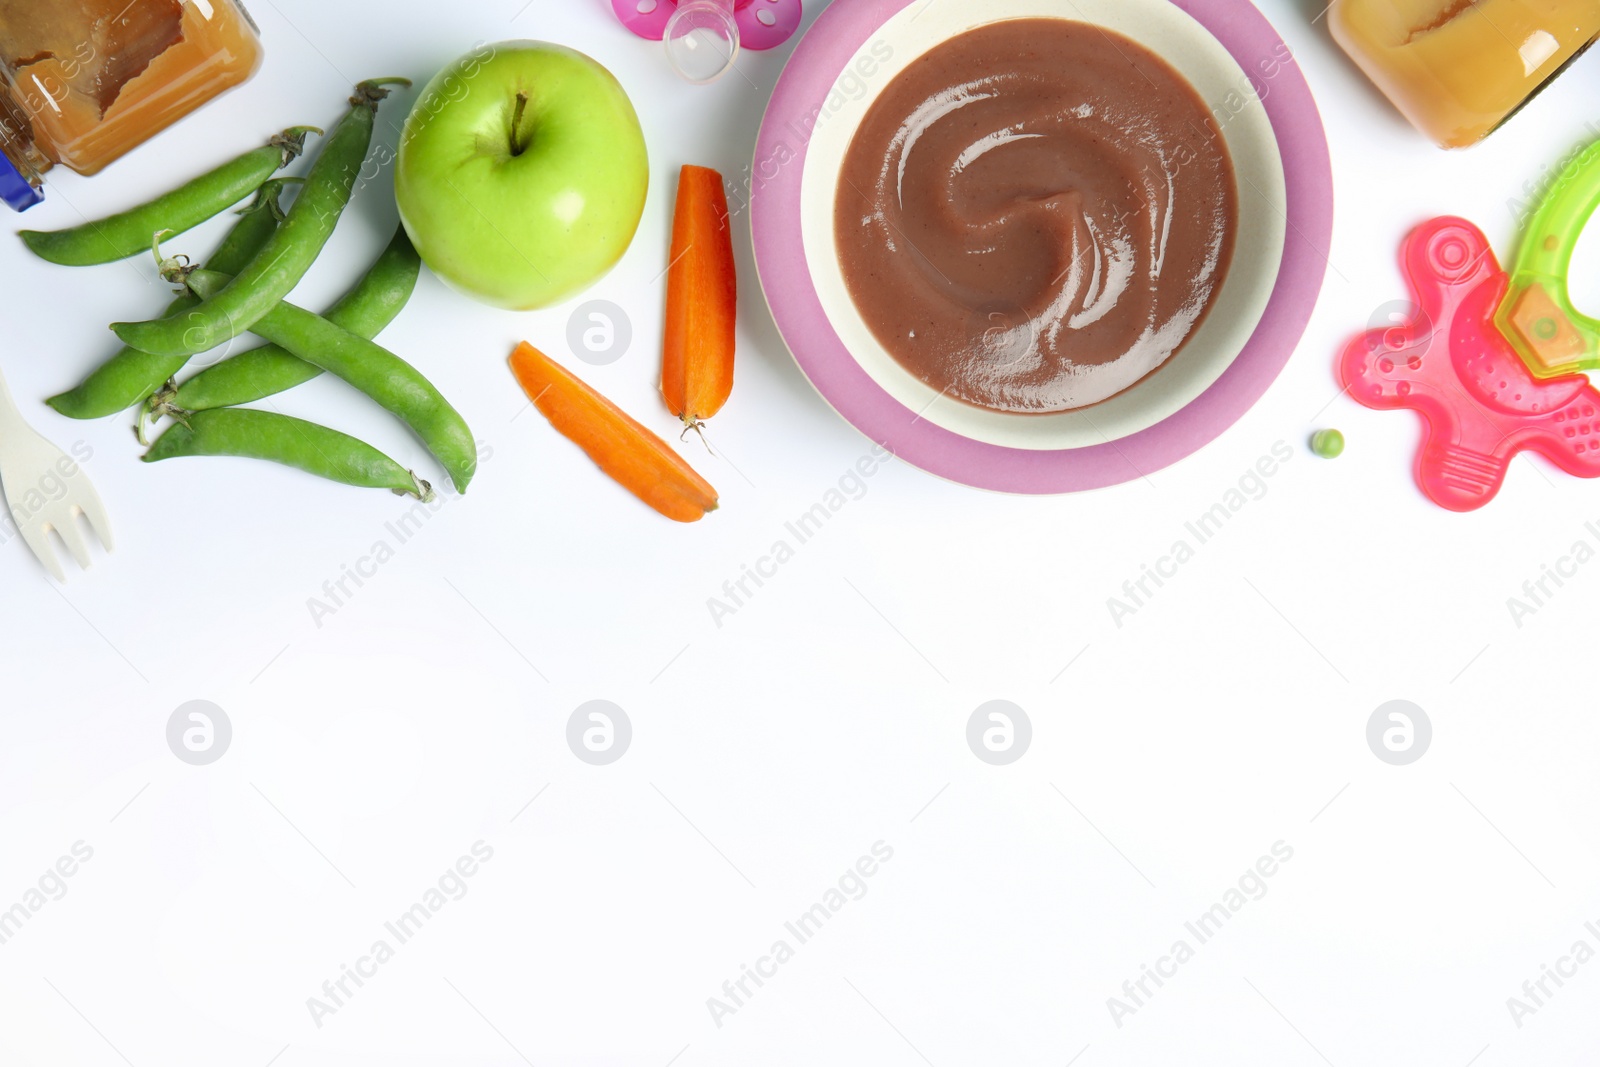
(1537, 315)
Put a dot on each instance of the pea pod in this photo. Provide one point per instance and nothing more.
(261, 372)
(395, 384)
(131, 375)
(288, 254)
(128, 233)
(292, 442)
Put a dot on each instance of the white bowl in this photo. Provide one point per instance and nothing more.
(1169, 32)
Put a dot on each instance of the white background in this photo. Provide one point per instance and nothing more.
(827, 714)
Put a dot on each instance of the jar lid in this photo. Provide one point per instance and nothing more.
(17, 191)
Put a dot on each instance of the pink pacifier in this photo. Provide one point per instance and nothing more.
(703, 37)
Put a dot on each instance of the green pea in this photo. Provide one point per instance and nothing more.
(382, 375)
(261, 372)
(288, 254)
(130, 376)
(1327, 443)
(266, 435)
(128, 233)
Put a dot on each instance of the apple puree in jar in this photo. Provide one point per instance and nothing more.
(1458, 69)
(85, 81)
(1036, 215)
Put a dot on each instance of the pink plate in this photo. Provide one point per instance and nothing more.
(814, 72)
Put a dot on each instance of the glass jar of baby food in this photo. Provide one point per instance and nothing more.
(1459, 68)
(84, 81)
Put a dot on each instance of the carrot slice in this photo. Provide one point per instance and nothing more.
(702, 300)
(637, 459)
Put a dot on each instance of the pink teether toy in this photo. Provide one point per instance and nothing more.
(703, 37)
(1453, 366)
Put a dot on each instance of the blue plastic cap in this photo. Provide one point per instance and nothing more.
(19, 193)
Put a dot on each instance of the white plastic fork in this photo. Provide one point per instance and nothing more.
(46, 490)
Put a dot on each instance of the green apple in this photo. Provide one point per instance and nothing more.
(522, 173)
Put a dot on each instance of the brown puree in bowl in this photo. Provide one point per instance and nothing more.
(1035, 215)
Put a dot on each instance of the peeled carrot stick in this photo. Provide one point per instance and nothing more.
(637, 459)
(702, 300)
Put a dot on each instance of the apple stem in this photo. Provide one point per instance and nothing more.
(517, 143)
